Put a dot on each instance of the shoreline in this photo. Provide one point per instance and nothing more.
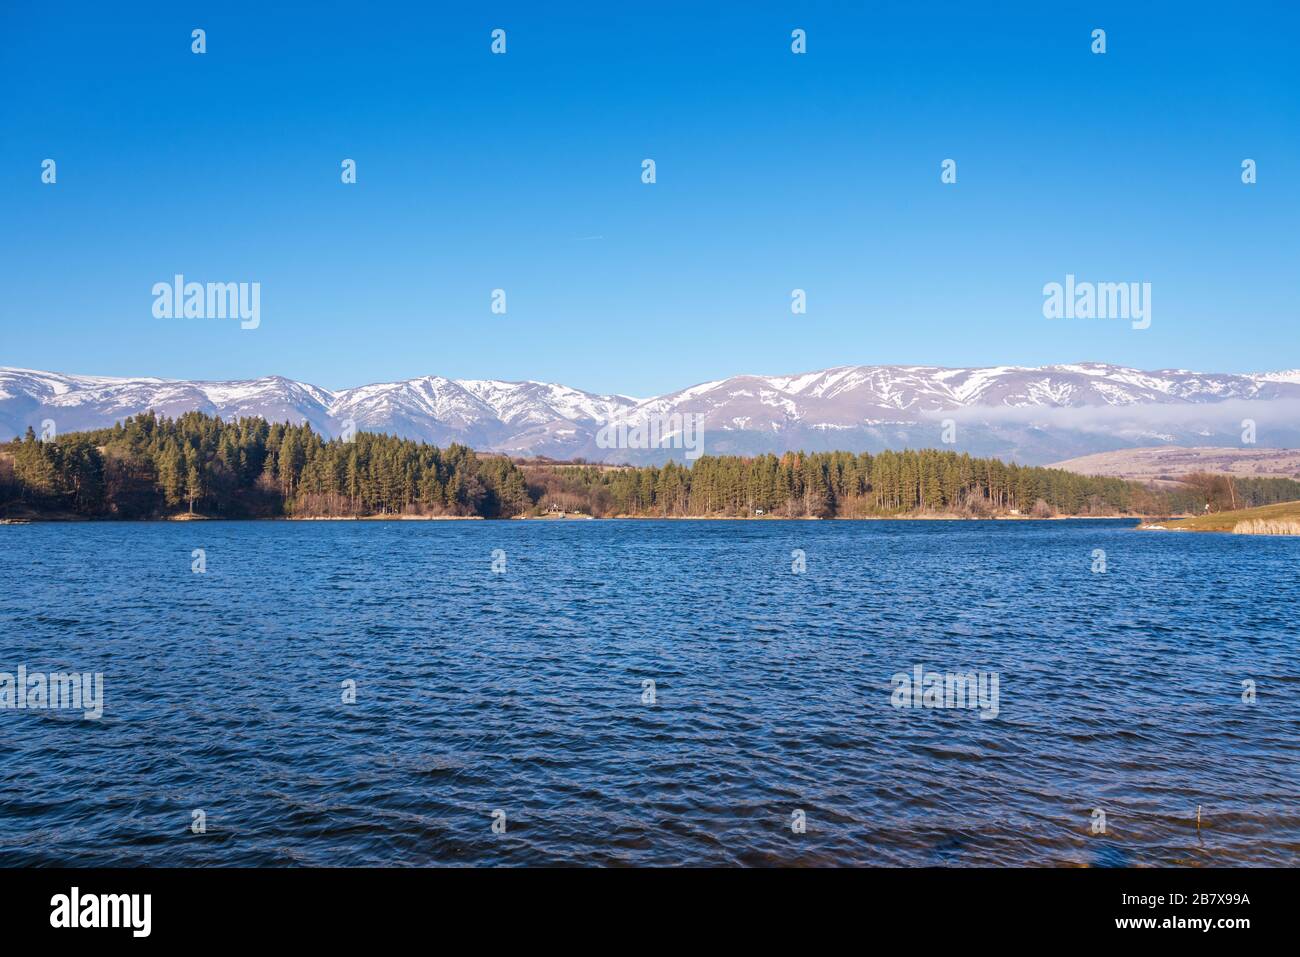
(362, 518)
(76, 519)
(1279, 519)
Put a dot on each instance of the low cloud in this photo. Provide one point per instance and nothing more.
(1214, 418)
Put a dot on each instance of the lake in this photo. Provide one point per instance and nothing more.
(507, 716)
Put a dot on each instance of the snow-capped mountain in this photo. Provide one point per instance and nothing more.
(484, 413)
(1034, 414)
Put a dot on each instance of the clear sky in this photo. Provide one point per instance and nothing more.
(523, 172)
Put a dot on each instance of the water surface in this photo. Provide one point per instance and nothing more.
(522, 692)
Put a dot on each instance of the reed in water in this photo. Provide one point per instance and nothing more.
(1266, 526)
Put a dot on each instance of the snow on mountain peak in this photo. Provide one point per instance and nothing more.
(532, 417)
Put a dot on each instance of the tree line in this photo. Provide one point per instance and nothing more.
(150, 466)
(845, 485)
(849, 485)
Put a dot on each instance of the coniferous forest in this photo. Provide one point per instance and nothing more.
(155, 467)
(148, 467)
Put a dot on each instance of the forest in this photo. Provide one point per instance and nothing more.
(197, 465)
(866, 485)
(151, 467)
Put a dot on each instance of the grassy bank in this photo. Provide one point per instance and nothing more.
(1280, 519)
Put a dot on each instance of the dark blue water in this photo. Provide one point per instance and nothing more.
(522, 692)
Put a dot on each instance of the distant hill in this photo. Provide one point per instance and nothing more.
(1170, 462)
(1030, 415)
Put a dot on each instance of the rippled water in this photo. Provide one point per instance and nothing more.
(523, 692)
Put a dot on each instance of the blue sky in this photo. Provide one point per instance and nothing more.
(522, 172)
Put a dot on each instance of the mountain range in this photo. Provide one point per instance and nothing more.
(1029, 414)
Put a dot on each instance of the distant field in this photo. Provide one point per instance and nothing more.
(1283, 512)
(1168, 462)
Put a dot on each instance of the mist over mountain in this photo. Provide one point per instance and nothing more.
(1034, 415)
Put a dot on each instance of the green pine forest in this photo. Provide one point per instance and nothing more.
(197, 465)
